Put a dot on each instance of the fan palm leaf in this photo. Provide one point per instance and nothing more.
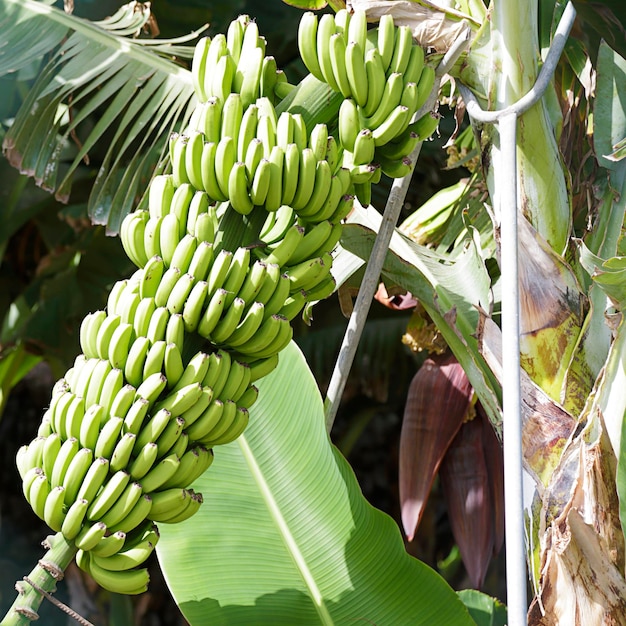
(135, 89)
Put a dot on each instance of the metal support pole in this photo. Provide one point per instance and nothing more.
(516, 575)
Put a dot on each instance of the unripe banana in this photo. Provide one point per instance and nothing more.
(273, 304)
(122, 401)
(134, 418)
(74, 518)
(178, 149)
(133, 369)
(212, 313)
(160, 473)
(306, 178)
(415, 65)
(291, 169)
(209, 173)
(94, 479)
(74, 417)
(266, 134)
(338, 64)
(402, 49)
(175, 330)
(277, 224)
(107, 439)
(169, 279)
(269, 78)
(386, 39)
(225, 155)
(259, 368)
(251, 83)
(238, 192)
(222, 84)
(37, 494)
(144, 461)
(397, 121)
(106, 546)
(170, 436)
(114, 295)
(119, 345)
(211, 121)
(194, 306)
(262, 338)
(168, 502)
(129, 582)
(236, 428)
(158, 323)
(90, 536)
(323, 180)
(152, 274)
(232, 114)
(198, 206)
(375, 81)
(248, 397)
(89, 331)
(120, 456)
(184, 252)
(68, 451)
(247, 131)
(151, 239)
(217, 374)
(325, 30)
(198, 66)
(286, 248)
(234, 39)
(111, 491)
(123, 505)
(54, 514)
(50, 450)
(260, 183)
(76, 473)
(254, 154)
(307, 43)
(137, 515)
(273, 199)
(229, 413)
(126, 559)
(132, 236)
(151, 388)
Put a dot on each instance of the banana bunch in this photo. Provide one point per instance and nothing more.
(383, 77)
(236, 63)
(167, 370)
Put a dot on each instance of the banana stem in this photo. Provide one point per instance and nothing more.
(45, 575)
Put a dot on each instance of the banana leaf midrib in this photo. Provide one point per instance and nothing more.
(289, 540)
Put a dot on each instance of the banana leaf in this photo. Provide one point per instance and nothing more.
(133, 85)
(285, 536)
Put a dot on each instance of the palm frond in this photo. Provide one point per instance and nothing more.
(135, 90)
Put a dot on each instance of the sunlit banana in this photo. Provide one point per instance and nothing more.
(54, 513)
(307, 43)
(201, 261)
(158, 323)
(212, 313)
(169, 234)
(74, 518)
(251, 80)
(209, 173)
(425, 86)
(306, 178)
(269, 78)
(211, 120)
(184, 252)
(136, 517)
(152, 386)
(386, 39)
(325, 30)
(209, 418)
(133, 421)
(402, 49)
(219, 270)
(106, 546)
(260, 184)
(121, 454)
(126, 559)
(280, 341)
(313, 239)
(108, 436)
(144, 460)
(200, 53)
(229, 321)
(262, 338)
(281, 221)
(274, 303)
(192, 465)
(50, 449)
(123, 505)
(266, 134)
(323, 179)
(94, 479)
(168, 281)
(223, 77)
(415, 65)
(90, 536)
(194, 305)
(247, 130)
(178, 148)
(160, 473)
(261, 367)
(89, 331)
(238, 191)
(283, 251)
(219, 369)
(132, 236)
(375, 81)
(397, 121)
(225, 155)
(392, 94)
(229, 414)
(273, 199)
(76, 473)
(236, 428)
(68, 451)
(37, 493)
(338, 63)
(199, 204)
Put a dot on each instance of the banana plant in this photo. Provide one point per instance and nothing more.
(567, 375)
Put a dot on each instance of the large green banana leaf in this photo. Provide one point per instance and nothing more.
(138, 91)
(285, 536)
